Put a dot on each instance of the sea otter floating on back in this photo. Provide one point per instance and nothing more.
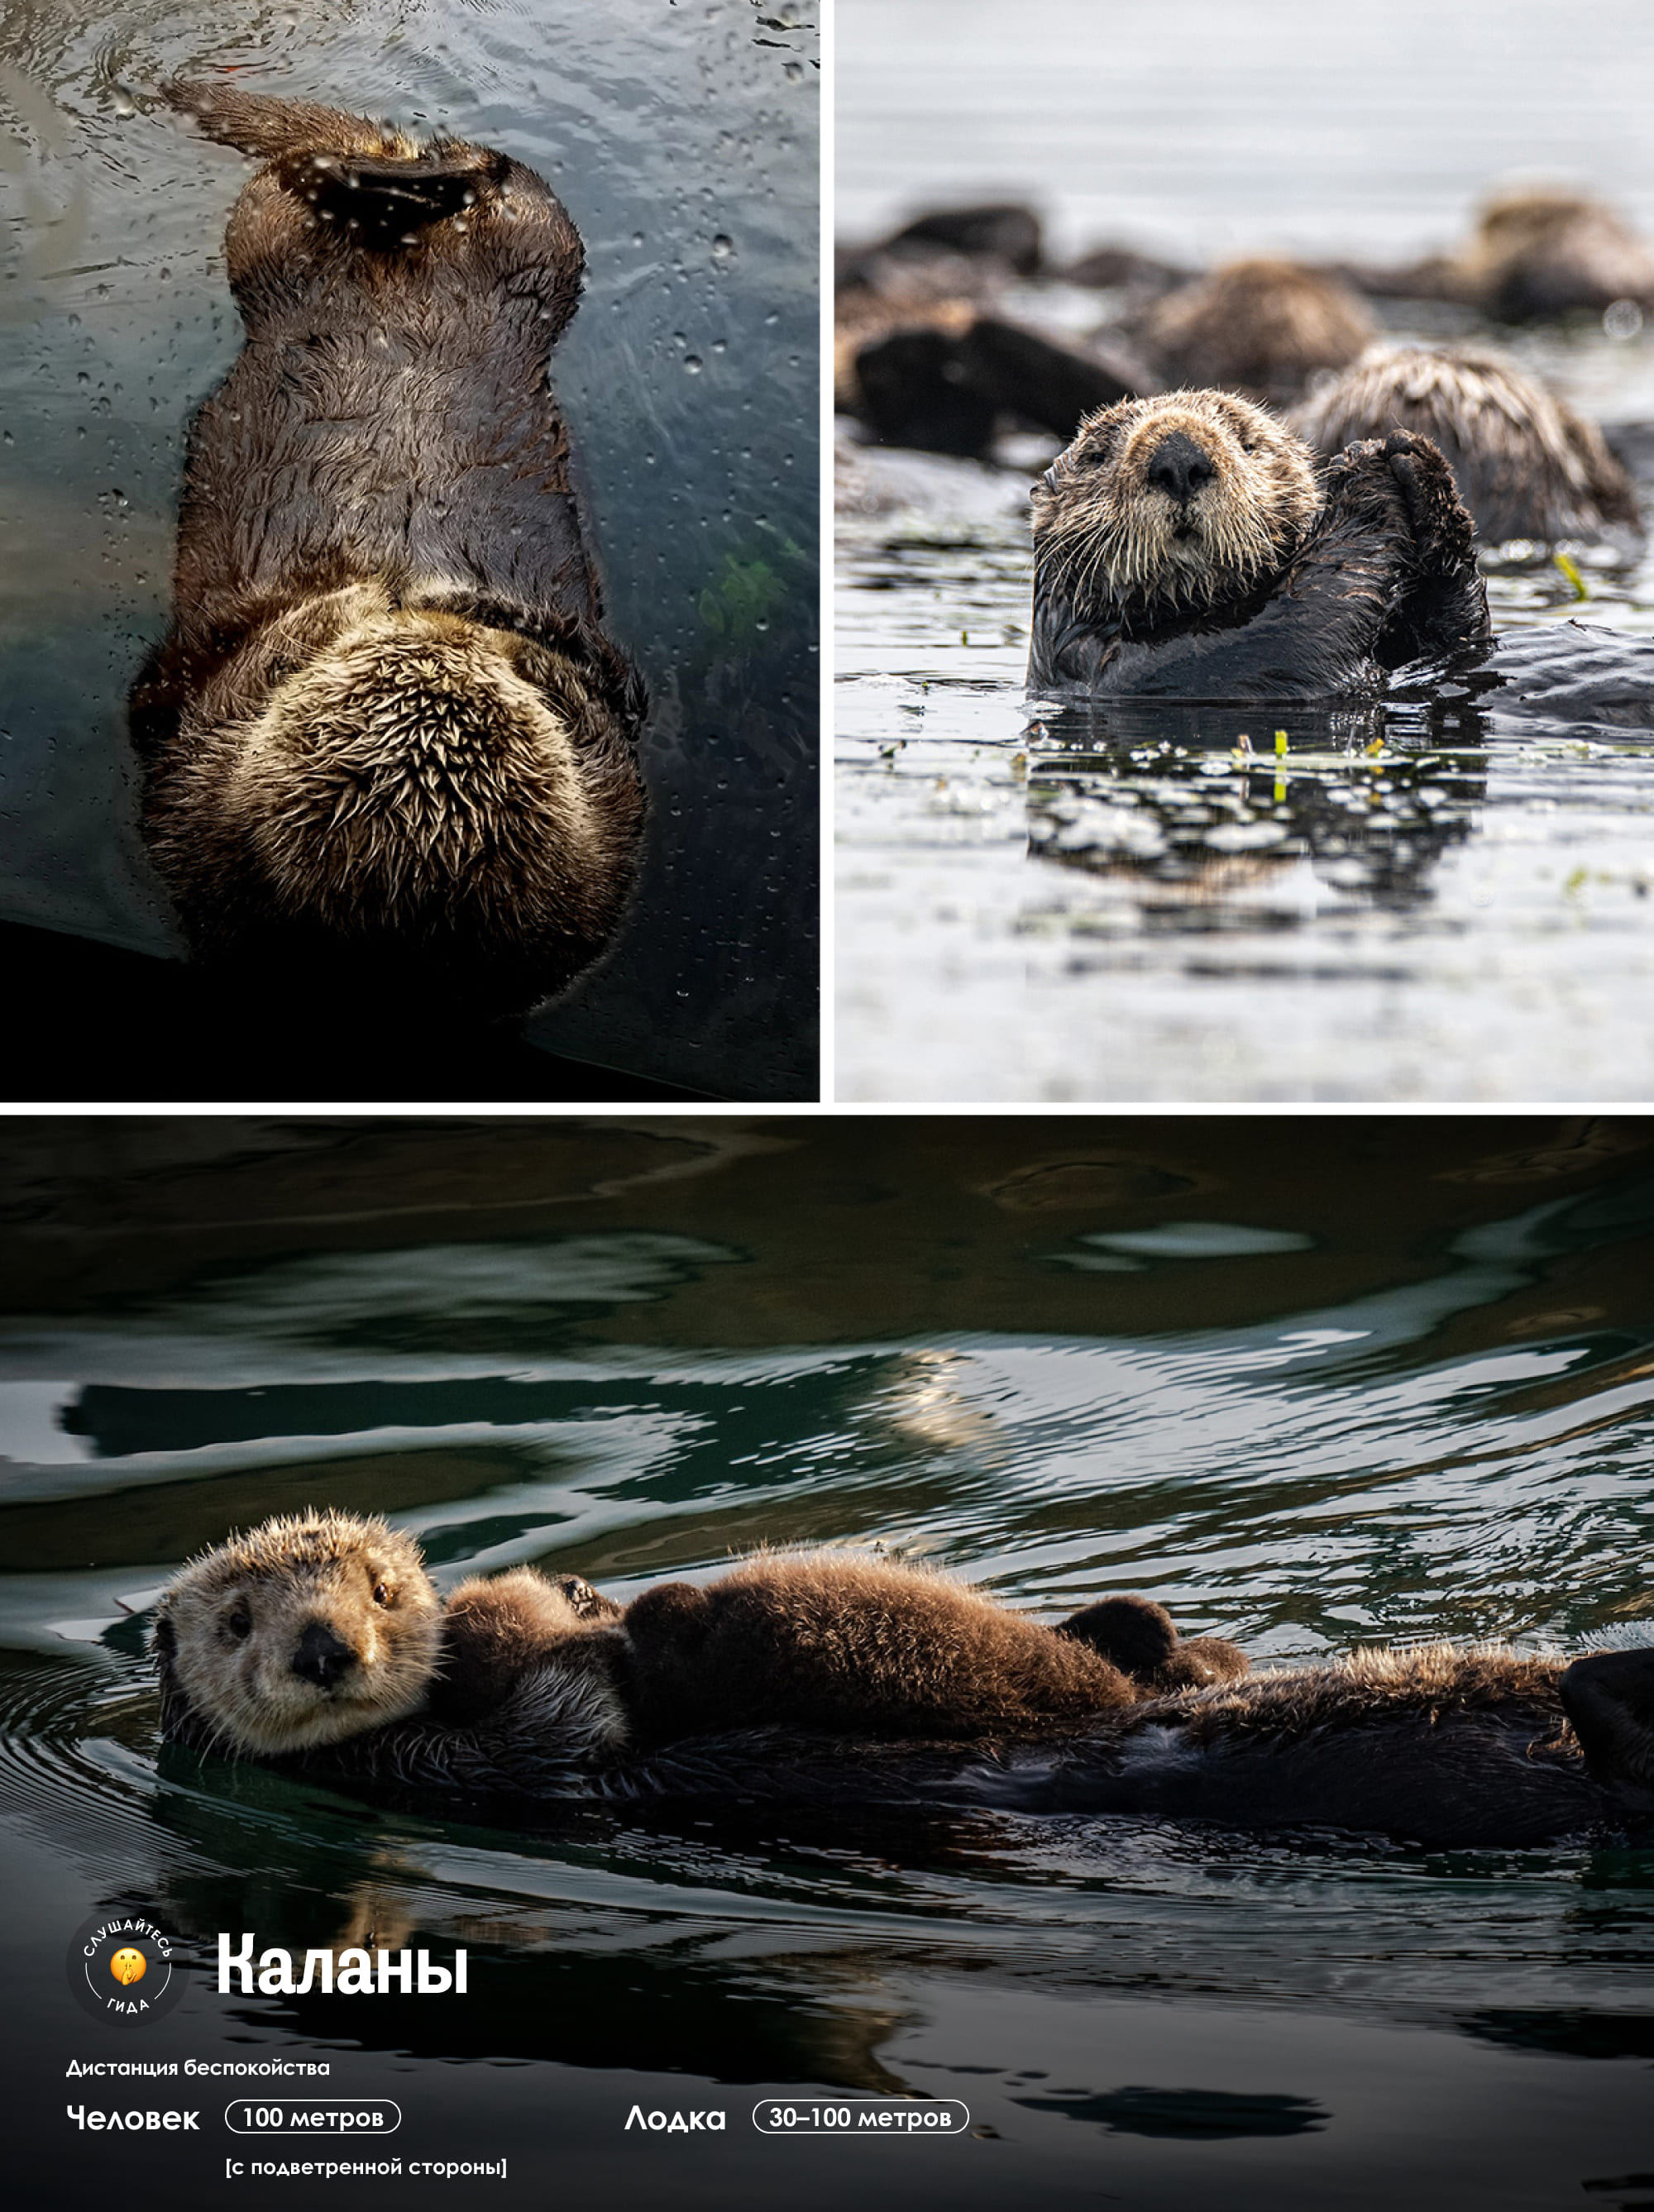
(388, 747)
(318, 1641)
(1184, 548)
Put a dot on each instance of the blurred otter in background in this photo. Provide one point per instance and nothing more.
(1526, 464)
(1537, 252)
(388, 751)
(1259, 327)
(923, 355)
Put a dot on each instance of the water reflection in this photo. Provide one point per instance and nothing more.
(1217, 822)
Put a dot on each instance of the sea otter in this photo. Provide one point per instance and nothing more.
(386, 745)
(318, 1641)
(1536, 251)
(1525, 463)
(312, 1630)
(1448, 1748)
(1183, 548)
(1259, 327)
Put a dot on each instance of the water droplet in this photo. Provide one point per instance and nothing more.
(1622, 318)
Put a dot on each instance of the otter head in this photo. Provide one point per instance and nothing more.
(1180, 504)
(412, 768)
(382, 803)
(312, 1628)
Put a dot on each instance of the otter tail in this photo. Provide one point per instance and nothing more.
(367, 176)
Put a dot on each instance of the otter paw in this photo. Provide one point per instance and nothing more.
(1132, 1633)
(1365, 481)
(590, 1604)
(1437, 516)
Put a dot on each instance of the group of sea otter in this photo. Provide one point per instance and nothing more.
(319, 1643)
(1257, 499)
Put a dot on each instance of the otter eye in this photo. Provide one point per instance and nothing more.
(239, 1624)
(381, 1593)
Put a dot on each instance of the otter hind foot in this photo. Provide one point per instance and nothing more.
(385, 201)
(1609, 1698)
(1139, 1639)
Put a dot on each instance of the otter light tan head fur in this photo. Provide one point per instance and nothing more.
(1175, 504)
(314, 1628)
(404, 764)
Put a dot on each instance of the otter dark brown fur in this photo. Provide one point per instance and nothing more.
(1183, 548)
(1525, 463)
(1437, 1745)
(386, 738)
(822, 1640)
(1449, 1748)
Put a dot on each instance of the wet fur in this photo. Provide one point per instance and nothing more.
(386, 738)
(822, 1640)
(844, 1681)
(1268, 583)
(1525, 463)
(1439, 1747)
(228, 1623)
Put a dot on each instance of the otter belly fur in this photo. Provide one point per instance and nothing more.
(1185, 547)
(323, 1632)
(387, 745)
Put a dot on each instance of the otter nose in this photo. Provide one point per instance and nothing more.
(1178, 467)
(322, 1657)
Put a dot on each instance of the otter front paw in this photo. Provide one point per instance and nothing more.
(1442, 530)
(590, 1604)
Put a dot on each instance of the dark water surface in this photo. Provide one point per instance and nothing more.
(1407, 904)
(683, 139)
(1311, 1384)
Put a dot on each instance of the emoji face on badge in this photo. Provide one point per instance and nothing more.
(129, 1965)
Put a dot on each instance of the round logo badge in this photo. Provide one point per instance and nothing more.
(121, 1967)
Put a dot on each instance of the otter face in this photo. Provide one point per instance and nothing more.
(310, 1630)
(1185, 501)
